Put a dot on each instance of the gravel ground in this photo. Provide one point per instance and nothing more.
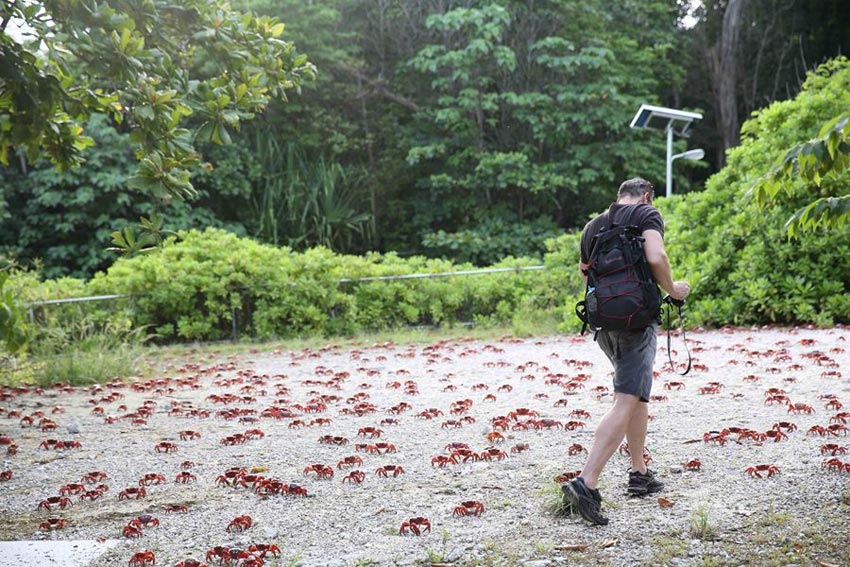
(358, 524)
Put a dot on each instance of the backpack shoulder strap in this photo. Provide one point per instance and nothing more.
(627, 219)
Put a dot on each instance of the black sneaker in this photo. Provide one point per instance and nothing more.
(567, 508)
(641, 484)
(586, 501)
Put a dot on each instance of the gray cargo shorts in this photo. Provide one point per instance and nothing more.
(633, 355)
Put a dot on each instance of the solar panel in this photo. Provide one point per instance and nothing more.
(662, 118)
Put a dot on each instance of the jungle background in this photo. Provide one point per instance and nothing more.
(442, 135)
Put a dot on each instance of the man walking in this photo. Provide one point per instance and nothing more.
(632, 353)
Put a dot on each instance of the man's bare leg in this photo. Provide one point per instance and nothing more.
(609, 434)
(636, 436)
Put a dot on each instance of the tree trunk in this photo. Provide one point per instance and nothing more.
(723, 65)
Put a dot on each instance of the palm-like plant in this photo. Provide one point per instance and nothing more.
(305, 202)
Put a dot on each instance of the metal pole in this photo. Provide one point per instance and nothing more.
(669, 159)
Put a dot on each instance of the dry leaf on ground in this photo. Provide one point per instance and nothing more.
(572, 547)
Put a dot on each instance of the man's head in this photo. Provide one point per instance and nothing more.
(636, 190)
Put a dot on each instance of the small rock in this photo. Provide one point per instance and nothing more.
(537, 563)
(270, 533)
(73, 428)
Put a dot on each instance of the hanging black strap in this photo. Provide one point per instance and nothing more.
(677, 303)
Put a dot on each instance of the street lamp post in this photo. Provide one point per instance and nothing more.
(671, 121)
(690, 154)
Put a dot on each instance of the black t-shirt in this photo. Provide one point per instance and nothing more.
(645, 217)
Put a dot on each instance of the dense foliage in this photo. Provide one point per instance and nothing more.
(213, 285)
(468, 130)
(210, 284)
(171, 73)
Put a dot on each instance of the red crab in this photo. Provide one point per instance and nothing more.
(833, 464)
(295, 490)
(72, 488)
(800, 408)
(522, 412)
(231, 476)
(184, 435)
(386, 470)
(142, 558)
(495, 437)
(443, 460)
(547, 424)
(165, 447)
(573, 425)
(842, 417)
(240, 524)
(491, 453)
(466, 455)
(575, 449)
(671, 385)
(775, 434)
(784, 425)
(370, 432)
(381, 448)
(415, 526)
(191, 563)
(127, 493)
(262, 549)
(52, 524)
(833, 449)
(93, 477)
(176, 508)
(520, 447)
(151, 478)
(354, 477)
(60, 501)
(144, 521)
(219, 552)
(131, 531)
(333, 440)
(91, 495)
(321, 471)
(469, 508)
(693, 465)
(837, 429)
(185, 477)
(351, 461)
(755, 471)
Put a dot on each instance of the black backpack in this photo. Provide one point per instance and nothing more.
(621, 293)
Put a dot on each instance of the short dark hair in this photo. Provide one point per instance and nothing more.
(634, 187)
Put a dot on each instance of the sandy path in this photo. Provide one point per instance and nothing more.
(343, 524)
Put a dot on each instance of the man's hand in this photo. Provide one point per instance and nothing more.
(680, 290)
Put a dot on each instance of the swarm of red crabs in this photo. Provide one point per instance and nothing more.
(479, 424)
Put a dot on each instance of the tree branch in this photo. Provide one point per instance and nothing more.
(379, 86)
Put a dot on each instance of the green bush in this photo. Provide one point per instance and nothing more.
(197, 284)
(744, 268)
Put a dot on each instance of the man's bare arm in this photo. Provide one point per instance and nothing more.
(659, 264)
